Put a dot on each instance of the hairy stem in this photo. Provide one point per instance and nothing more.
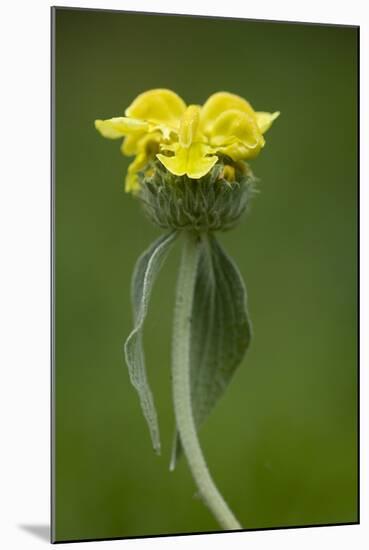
(182, 386)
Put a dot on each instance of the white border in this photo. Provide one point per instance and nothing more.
(25, 258)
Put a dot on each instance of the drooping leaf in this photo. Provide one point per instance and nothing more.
(145, 273)
(220, 331)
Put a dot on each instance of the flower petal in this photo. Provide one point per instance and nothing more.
(147, 148)
(136, 143)
(158, 105)
(237, 135)
(192, 161)
(132, 184)
(117, 127)
(188, 125)
(229, 173)
(217, 103)
(238, 151)
(265, 120)
(129, 146)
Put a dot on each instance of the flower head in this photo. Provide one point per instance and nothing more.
(187, 140)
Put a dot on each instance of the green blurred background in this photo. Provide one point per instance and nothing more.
(282, 443)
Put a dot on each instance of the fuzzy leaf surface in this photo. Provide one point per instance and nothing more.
(145, 273)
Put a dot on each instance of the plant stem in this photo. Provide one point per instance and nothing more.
(182, 386)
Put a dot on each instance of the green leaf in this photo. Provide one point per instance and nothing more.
(145, 273)
(220, 332)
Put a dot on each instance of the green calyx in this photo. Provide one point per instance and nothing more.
(214, 202)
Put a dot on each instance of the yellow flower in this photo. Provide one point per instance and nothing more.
(187, 140)
(192, 155)
(229, 173)
(149, 120)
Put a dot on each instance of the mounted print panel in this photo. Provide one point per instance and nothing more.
(205, 182)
